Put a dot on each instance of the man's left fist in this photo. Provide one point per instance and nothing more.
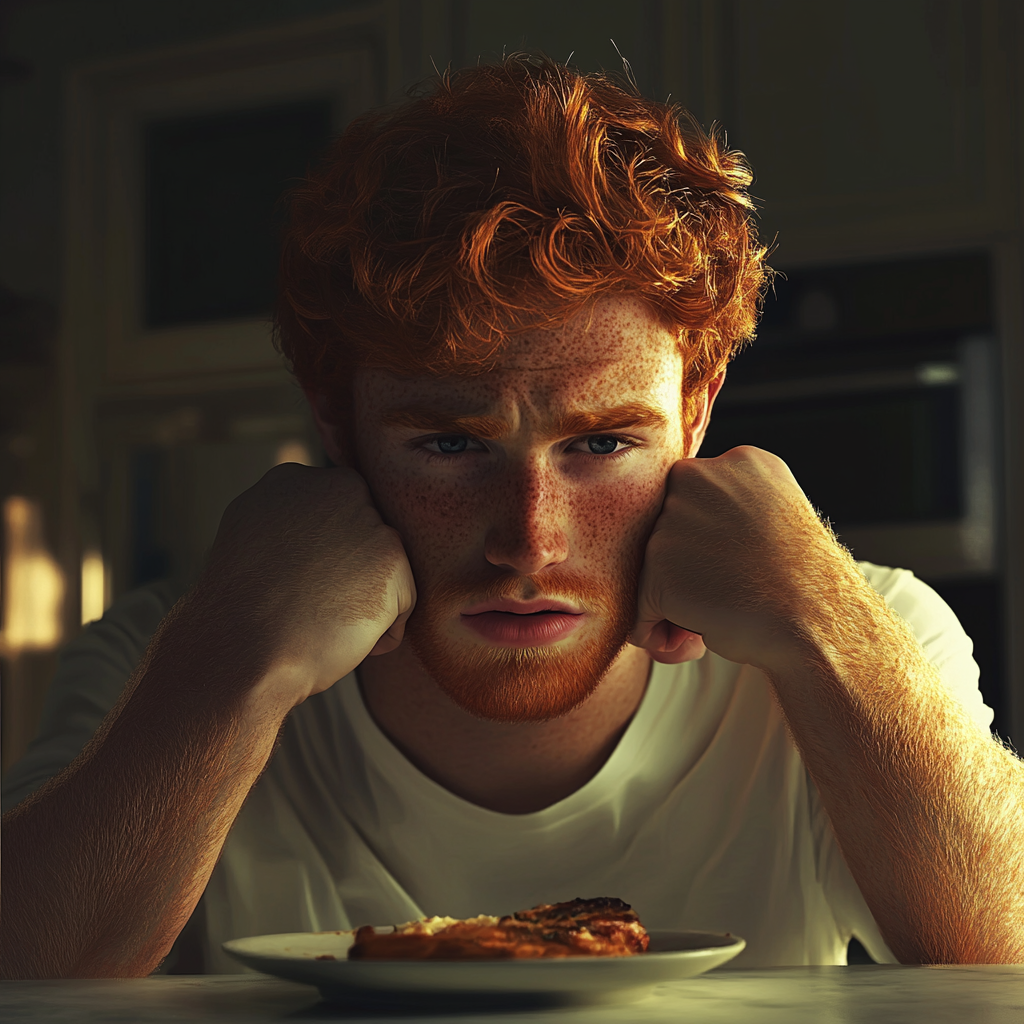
(738, 562)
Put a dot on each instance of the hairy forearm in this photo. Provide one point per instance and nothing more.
(927, 808)
(104, 865)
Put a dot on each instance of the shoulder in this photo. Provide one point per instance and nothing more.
(934, 623)
(937, 630)
(92, 670)
(107, 650)
(132, 619)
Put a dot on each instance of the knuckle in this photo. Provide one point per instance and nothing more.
(741, 453)
(276, 472)
(349, 481)
(284, 473)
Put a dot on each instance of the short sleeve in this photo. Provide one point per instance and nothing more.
(91, 674)
(939, 633)
(950, 650)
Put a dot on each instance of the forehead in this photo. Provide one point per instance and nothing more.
(615, 352)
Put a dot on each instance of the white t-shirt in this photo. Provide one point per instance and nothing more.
(703, 817)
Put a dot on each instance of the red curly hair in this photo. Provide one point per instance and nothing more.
(509, 197)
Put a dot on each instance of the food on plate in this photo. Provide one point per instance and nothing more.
(604, 926)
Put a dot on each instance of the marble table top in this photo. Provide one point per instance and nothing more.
(790, 995)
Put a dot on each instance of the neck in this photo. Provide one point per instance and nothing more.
(510, 768)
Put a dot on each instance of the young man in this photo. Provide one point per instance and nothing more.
(571, 658)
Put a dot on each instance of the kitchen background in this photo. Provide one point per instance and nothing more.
(143, 147)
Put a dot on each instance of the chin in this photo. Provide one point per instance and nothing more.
(523, 684)
(518, 684)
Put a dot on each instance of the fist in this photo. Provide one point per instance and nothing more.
(304, 569)
(737, 562)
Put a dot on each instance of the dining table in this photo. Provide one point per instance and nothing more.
(860, 994)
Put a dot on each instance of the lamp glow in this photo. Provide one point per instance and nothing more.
(33, 583)
(94, 586)
(293, 451)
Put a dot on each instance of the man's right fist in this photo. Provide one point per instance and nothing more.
(304, 570)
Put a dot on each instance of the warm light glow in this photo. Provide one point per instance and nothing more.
(33, 584)
(95, 597)
(293, 451)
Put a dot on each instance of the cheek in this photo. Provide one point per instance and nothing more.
(432, 516)
(611, 522)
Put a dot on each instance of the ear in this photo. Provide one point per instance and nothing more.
(703, 417)
(327, 428)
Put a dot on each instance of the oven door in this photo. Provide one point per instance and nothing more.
(901, 461)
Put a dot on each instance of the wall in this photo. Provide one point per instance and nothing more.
(56, 35)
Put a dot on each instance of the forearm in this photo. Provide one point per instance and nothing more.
(927, 808)
(103, 867)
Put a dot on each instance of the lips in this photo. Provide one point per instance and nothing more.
(511, 606)
(537, 629)
(504, 622)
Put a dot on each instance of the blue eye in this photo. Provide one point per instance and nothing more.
(451, 445)
(602, 444)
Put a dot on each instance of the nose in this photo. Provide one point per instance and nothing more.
(527, 530)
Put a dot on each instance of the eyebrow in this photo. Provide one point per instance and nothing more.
(592, 421)
(619, 417)
(437, 421)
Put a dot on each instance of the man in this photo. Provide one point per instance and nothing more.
(573, 659)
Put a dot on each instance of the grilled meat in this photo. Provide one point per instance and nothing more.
(597, 927)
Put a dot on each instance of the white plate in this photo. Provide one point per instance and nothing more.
(672, 955)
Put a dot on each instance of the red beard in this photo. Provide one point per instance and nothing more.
(523, 684)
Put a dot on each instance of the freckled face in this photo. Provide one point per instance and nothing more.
(524, 497)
